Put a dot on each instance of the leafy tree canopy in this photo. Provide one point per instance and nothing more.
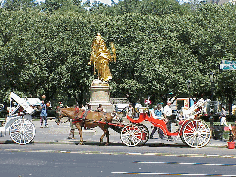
(160, 46)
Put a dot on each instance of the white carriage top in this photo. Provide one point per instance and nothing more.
(26, 103)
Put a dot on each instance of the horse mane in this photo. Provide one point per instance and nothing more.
(70, 112)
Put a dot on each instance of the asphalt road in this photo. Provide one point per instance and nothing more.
(52, 154)
(46, 163)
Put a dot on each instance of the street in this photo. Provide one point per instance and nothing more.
(52, 154)
(58, 160)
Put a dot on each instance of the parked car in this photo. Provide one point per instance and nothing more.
(3, 111)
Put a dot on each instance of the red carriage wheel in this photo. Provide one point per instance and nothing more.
(131, 135)
(196, 133)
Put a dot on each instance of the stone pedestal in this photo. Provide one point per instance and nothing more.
(100, 94)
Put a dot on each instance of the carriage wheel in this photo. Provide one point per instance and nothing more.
(196, 133)
(145, 134)
(131, 135)
(22, 131)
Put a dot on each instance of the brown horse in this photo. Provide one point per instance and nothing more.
(90, 121)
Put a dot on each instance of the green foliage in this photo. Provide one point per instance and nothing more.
(160, 45)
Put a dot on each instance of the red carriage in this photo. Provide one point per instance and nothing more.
(193, 132)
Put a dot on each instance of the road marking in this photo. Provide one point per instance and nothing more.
(123, 153)
(182, 174)
(182, 163)
(134, 153)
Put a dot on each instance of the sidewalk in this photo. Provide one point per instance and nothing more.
(59, 134)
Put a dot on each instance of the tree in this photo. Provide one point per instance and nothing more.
(159, 48)
(18, 5)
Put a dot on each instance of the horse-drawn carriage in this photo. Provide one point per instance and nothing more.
(192, 131)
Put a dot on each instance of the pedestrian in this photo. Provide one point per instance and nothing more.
(130, 110)
(43, 114)
(223, 122)
(158, 115)
(167, 115)
(57, 115)
(137, 107)
(211, 120)
(83, 108)
(87, 109)
(72, 123)
(223, 117)
(77, 109)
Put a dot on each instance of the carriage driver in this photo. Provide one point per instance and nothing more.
(100, 108)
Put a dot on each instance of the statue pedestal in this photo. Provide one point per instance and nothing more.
(100, 94)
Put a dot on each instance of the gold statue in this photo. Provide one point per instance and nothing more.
(100, 58)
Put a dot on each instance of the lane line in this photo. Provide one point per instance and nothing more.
(181, 174)
(182, 163)
(123, 153)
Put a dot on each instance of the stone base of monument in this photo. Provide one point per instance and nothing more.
(100, 94)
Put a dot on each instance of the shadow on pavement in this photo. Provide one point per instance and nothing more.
(147, 144)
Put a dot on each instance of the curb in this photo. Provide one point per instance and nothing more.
(156, 144)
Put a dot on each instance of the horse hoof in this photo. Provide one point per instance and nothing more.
(81, 143)
(106, 144)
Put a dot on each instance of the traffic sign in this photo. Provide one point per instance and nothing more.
(228, 66)
(228, 62)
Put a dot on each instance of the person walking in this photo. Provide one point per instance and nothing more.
(72, 124)
(223, 117)
(223, 122)
(43, 115)
(158, 115)
(167, 115)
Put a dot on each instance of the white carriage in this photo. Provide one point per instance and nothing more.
(20, 126)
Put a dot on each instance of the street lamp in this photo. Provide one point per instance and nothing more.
(212, 79)
(189, 84)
